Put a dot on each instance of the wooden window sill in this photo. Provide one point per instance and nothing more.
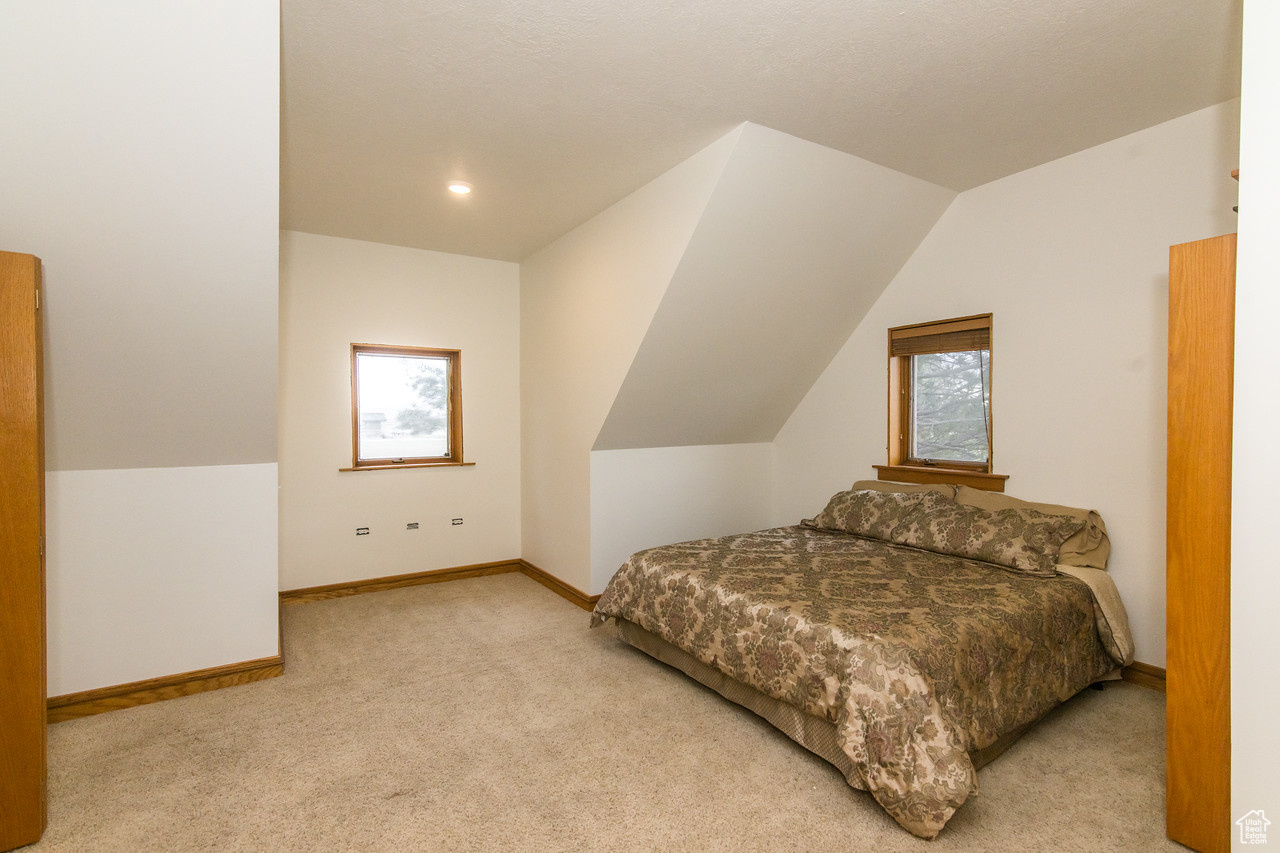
(392, 465)
(938, 474)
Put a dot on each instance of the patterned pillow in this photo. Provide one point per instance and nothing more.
(869, 513)
(1089, 547)
(1017, 538)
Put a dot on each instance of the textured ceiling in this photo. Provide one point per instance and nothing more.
(555, 109)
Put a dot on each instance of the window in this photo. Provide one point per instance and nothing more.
(406, 406)
(940, 403)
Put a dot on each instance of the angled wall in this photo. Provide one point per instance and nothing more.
(1072, 257)
(688, 320)
(794, 246)
(141, 163)
(585, 303)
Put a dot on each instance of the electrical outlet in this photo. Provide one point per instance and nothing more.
(362, 531)
(456, 522)
(413, 525)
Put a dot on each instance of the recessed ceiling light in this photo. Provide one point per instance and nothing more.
(459, 187)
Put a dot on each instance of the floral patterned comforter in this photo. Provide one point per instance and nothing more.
(917, 658)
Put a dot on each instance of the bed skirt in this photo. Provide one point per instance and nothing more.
(813, 733)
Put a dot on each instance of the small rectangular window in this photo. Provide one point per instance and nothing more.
(406, 405)
(940, 402)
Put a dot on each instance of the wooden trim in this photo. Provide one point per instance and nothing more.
(559, 587)
(940, 334)
(1144, 675)
(899, 409)
(89, 702)
(1202, 278)
(453, 357)
(941, 327)
(23, 649)
(410, 465)
(360, 587)
(939, 474)
(502, 567)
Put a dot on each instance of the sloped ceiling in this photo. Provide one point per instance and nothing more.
(795, 244)
(555, 110)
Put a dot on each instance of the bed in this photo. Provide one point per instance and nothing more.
(905, 634)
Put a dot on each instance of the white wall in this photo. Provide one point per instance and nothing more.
(654, 496)
(1255, 585)
(337, 292)
(141, 163)
(1072, 258)
(158, 571)
(795, 244)
(693, 313)
(586, 301)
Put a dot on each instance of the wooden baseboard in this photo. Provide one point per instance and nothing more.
(339, 590)
(559, 587)
(1144, 675)
(89, 702)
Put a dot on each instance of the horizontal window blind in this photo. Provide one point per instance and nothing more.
(959, 335)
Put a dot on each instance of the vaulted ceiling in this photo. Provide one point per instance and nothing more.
(795, 243)
(555, 109)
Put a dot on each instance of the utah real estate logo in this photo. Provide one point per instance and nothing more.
(1253, 827)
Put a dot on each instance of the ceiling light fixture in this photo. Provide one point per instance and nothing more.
(459, 187)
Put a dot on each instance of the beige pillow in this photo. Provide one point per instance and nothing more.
(1090, 547)
(946, 490)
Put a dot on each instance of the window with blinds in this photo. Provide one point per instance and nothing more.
(940, 394)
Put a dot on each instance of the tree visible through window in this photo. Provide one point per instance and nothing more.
(940, 394)
(406, 405)
(950, 406)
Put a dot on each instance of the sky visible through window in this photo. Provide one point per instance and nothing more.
(403, 406)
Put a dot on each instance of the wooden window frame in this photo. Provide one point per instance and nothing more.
(957, 334)
(454, 403)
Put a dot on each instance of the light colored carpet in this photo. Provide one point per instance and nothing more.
(484, 715)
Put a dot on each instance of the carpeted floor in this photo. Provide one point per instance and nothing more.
(484, 715)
